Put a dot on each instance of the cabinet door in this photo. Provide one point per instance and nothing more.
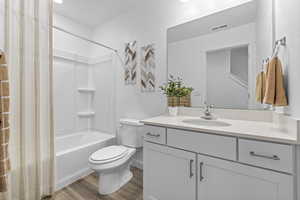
(220, 179)
(169, 174)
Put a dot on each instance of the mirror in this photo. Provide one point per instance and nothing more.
(220, 55)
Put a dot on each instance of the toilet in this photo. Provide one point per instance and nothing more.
(112, 163)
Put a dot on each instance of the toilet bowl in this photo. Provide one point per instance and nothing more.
(112, 163)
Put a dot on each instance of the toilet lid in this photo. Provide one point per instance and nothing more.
(111, 153)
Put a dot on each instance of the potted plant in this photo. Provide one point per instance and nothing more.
(177, 94)
(185, 96)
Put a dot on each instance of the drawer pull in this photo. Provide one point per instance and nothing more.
(153, 135)
(274, 157)
(191, 168)
(201, 171)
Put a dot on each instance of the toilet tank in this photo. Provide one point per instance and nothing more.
(131, 131)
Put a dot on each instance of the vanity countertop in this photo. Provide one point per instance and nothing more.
(265, 131)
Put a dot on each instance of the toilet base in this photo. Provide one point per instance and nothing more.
(112, 180)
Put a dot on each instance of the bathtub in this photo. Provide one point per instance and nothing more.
(72, 153)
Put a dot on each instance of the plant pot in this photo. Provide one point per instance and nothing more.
(185, 101)
(173, 101)
(173, 111)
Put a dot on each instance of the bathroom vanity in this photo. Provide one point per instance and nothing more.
(226, 159)
(248, 153)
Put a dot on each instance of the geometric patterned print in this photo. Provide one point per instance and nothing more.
(4, 124)
(148, 66)
(131, 63)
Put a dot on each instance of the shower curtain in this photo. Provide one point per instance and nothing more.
(28, 45)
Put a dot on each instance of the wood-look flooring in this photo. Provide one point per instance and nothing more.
(87, 189)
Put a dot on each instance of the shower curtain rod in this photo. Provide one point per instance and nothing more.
(85, 39)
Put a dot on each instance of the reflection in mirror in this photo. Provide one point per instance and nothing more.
(230, 68)
(220, 55)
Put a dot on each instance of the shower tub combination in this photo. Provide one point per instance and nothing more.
(72, 153)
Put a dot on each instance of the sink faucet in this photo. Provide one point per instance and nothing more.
(207, 111)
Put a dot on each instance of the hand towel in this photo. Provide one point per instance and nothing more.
(4, 124)
(260, 87)
(275, 91)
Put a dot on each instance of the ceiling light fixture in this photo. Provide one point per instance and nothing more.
(184, 1)
(58, 1)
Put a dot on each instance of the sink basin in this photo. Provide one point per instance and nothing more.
(201, 122)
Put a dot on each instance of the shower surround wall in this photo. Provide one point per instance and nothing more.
(83, 85)
(83, 94)
(71, 72)
(83, 102)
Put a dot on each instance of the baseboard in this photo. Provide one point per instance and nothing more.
(73, 178)
(137, 163)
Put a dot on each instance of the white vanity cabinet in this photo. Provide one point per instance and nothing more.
(221, 179)
(169, 174)
(189, 165)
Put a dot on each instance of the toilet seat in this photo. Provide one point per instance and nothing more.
(108, 154)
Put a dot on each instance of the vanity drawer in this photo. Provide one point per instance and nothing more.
(267, 155)
(214, 145)
(155, 134)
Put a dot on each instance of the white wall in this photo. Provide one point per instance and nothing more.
(149, 25)
(287, 24)
(65, 42)
(264, 30)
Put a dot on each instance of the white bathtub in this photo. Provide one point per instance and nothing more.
(72, 153)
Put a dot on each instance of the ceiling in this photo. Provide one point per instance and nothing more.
(95, 12)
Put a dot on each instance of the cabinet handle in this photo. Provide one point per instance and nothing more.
(274, 157)
(201, 171)
(191, 168)
(153, 135)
